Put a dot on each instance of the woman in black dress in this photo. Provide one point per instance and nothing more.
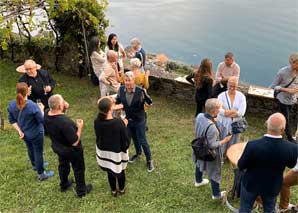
(112, 144)
(203, 81)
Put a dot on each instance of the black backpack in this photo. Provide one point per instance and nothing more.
(201, 149)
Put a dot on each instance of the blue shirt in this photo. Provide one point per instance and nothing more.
(30, 119)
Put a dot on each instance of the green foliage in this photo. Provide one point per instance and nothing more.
(64, 22)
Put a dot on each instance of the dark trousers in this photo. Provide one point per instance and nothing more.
(137, 130)
(285, 110)
(113, 179)
(247, 200)
(200, 108)
(214, 185)
(76, 159)
(35, 152)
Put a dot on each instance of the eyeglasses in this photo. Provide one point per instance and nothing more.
(30, 68)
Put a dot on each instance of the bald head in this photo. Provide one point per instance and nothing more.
(112, 56)
(30, 67)
(56, 102)
(276, 124)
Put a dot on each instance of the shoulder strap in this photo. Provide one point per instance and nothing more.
(291, 82)
(227, 100)
(207, 129)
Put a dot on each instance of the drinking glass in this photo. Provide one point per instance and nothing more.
(123, 114)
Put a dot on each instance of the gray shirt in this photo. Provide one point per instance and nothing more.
(284, 77)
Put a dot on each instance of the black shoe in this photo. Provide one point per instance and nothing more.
(121, 192)
(150, 166)
(67, 186)
(88, 190)
(133, 158)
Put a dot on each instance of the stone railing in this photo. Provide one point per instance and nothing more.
(173, 85)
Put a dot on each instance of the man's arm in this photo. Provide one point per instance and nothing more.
(244, 160)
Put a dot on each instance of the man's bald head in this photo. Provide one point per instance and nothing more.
(30, 67)
(276, 124)
(112, 56)
(56, 102)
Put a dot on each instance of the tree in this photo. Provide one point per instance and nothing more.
(69, 21)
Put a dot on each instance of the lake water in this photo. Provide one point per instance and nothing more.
(261, 34)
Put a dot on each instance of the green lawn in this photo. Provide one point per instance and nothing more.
(168, 189)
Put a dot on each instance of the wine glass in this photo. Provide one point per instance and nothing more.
(122, 115)
(45, 89)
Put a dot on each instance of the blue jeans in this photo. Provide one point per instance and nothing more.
(247, 200)
(137, 130)
(214, 185)
(35, 152)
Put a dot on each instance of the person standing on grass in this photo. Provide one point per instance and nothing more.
(286, 84)
(233, 109)
(98, 58)
(27, 118)
(66, 143)
(203, 82)
(39, 81)
(133, 99)
(138, 52)
(206, 124)
(113, 44)
(112, 144)
(265, 160)
(110, 75)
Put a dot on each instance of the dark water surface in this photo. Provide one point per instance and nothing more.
(261, 34)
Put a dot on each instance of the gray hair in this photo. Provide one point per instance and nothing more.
(135, 62)
(55, 101)
(129, 75)
(135, 42)
(111, 53)
(212, 104)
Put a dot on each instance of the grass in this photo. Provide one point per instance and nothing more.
(168, 189)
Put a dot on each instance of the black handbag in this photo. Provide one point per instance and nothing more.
(239, 126)
(201, 149)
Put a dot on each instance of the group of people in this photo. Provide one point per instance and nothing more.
(219, 104)
(37, 110)
(263, 161)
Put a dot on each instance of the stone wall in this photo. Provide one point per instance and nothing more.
(184, 91)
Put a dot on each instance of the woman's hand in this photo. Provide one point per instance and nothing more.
(40, 106)
(226, 139)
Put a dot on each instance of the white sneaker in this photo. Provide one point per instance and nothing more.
(222, 194)
(291, 206)
(204, 182)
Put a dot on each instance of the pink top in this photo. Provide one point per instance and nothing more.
(225, 71)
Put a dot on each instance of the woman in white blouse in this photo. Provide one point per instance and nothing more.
(233, 108)
(98, 59)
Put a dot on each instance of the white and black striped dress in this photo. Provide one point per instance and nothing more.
(112, 144)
